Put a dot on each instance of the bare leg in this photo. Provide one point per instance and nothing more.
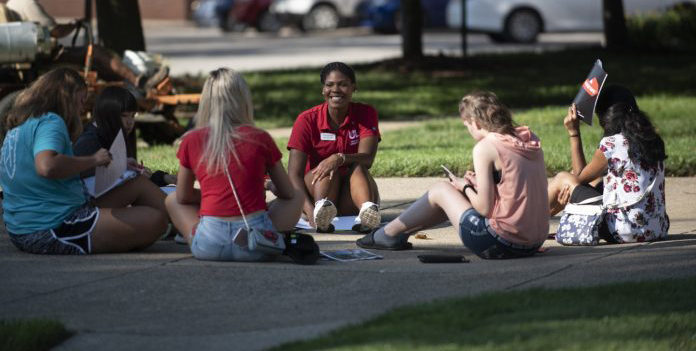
(138, 191)
(441, 202)
(126, 229)
(184, 216)
(325, 188)
(561, 180)
(285, 213)
(357, 188)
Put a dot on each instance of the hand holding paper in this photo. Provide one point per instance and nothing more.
(586, 99)
(102, 157)
(571, 122)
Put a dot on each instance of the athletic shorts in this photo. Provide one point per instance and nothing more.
(72, 237)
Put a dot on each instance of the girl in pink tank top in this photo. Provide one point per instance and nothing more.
(501, 209)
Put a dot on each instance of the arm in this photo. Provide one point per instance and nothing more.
(483, 197)
(285, 189)
(367, 150)
(572, 125)
(296, 167)
(185, 192)
(595, 169)
(478, 186)
(50, 164)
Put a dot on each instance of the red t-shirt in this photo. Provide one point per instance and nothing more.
(312, 133)
(257, 153)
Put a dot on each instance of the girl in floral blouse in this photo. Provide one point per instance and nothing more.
(630, 159)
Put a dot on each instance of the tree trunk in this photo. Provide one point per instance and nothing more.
(411, 29)
(119, 24)
(615, 31)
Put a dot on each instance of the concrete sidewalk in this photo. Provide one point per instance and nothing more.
(164, 299)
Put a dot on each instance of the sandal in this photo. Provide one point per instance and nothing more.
(368, 242)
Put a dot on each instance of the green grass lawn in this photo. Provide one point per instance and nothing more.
(433, 89)
(34, 334)
(650, 316)
(538, 87)
(419, 151)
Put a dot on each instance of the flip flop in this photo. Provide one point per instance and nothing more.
(368, 242)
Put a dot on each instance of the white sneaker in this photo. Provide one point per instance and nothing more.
(369, 217)
(324, 213)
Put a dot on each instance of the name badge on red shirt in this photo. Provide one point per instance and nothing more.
(327, 136)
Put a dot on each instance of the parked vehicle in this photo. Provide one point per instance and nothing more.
(255, 13)
(522, 20)
(385, 15)
(241, 14)
(316, 14)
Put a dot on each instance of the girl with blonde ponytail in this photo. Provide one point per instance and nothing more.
(226, 142)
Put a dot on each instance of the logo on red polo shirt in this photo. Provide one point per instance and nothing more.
(353, 134)
(591, 86)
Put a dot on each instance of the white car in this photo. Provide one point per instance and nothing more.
(522, 20)
(316, 14)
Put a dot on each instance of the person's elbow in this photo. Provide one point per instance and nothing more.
(47, 169)
(185, 197)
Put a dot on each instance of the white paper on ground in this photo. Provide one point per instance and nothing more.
(340, 223)
(350, 255)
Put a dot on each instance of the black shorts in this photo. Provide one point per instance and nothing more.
(72, 237)
(583, 192)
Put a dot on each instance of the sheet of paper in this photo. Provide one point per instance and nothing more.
(106, 177)
(350, 255)
(340, 223)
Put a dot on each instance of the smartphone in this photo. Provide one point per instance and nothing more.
(449, 173)
(442, 259)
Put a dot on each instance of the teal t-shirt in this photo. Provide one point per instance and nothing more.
(31, 202)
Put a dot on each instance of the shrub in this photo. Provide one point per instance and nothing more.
(674, 29)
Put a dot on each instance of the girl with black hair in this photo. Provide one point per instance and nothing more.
(332, 147)
(626, 167)
(114, 111)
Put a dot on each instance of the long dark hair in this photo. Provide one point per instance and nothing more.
(645, 146)
(619, 114)
(111, 103)
(54, 91)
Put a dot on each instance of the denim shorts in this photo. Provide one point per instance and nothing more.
(213, 239)
(478, 236)
(72, 237)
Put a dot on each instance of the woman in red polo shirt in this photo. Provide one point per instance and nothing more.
(332, 147)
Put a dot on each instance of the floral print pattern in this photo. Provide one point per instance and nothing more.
(625, 183)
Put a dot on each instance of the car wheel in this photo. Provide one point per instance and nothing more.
(321, 17)
(523, 26)
(268, 22)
